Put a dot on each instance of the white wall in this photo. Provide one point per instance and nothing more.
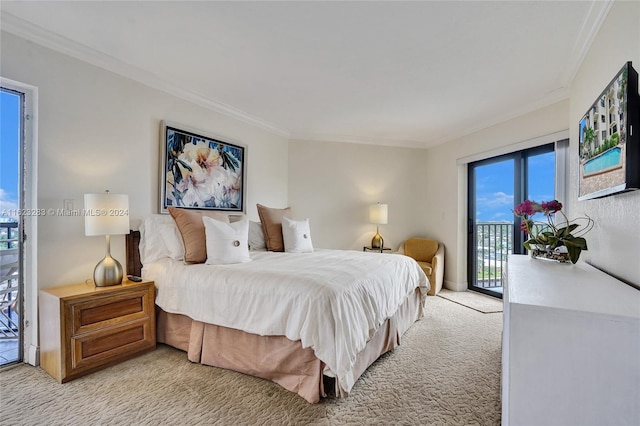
(614, 243)
(446, 198)
(97, 131)
(334, 183)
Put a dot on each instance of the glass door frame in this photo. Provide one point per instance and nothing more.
(520, 180)
(28, 234)
(18, 305)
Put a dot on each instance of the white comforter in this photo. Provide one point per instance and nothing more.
(330, 300)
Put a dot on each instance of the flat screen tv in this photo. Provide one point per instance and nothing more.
(609, 150)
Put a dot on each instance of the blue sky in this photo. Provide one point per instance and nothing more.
(9, 137)
(494, 187)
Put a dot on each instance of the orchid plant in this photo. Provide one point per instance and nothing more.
(551, 234)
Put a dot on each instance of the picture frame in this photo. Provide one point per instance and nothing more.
(609, 150)
(200, 171)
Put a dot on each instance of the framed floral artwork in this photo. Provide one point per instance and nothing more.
(200, 171)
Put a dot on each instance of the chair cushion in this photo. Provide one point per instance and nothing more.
(421, 249)
(426, 267)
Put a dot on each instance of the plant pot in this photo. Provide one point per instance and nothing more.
(559, 254)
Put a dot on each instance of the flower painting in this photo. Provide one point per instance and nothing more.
(201, 172)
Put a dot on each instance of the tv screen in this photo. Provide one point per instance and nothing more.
(609, 149)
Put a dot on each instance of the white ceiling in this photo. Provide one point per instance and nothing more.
(394, 73)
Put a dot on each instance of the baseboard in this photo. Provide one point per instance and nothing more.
(455, 286)
(34, 355)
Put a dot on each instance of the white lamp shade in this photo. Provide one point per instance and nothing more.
(106, 214)
(378, 213)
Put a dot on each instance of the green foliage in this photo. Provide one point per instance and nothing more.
(614, 140)
(550, 235)
(587, 145)
(489, 273)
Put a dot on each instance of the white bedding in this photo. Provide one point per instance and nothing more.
(330, 300)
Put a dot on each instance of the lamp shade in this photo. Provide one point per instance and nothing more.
(378, 213)
(106, 214)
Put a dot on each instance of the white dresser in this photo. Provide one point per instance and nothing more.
(571, 346)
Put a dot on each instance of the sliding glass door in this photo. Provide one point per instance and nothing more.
(11, 190)
(496, 185)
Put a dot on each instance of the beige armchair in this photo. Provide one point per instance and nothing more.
(430, 256)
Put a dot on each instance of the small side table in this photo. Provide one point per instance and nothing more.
(85, 328)
(377, 250)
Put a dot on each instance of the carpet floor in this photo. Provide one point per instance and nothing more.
(446, 372)
(473, 300)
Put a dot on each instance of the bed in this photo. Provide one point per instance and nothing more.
(311, 322)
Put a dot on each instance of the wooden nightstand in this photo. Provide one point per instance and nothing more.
(85, 328)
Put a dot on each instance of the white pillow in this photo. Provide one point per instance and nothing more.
(172, 240)
(226, 242)
(256, 236)
(296, 235)
(152, 245)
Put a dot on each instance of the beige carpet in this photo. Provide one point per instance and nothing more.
(446, 372)
(474, 300)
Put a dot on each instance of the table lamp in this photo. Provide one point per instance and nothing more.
(378, 215)
(106, 214)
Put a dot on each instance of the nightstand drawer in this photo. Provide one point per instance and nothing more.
(105, 311)
(91, 349)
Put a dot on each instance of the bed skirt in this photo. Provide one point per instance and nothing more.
(277, 358)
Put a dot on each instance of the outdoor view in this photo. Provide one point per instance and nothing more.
(494, 219)
(10, 107)
(9, 121)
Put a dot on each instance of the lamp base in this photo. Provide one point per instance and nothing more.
(377, 242)
(108, 272)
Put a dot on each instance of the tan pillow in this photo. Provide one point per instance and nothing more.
(191, 228)
(271, 220)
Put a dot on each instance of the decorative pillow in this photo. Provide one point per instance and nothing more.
(192, 231)
(227, 243)
(152, 232)
(297, 236)
(271, 220)
(256, 236)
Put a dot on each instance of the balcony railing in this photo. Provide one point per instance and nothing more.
(9, 280)
(494, 244)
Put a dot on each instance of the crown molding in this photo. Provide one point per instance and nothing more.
(36, 34)
(326, 137)
(592, 23)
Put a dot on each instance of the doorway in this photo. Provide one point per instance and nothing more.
(12, 105)
(495, 186)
